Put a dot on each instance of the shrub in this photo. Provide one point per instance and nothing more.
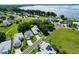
(1, 21)
(2, 37)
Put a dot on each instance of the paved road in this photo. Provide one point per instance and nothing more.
(28, 50)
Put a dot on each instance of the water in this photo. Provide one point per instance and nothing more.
(70, 11)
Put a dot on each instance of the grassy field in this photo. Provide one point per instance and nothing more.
(9, 30)
(66, 40)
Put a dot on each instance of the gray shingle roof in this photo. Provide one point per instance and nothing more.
(28, 34)
(35, 29)
(5, 46)
(17, 39)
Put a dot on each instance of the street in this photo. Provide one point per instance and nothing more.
(29, 49)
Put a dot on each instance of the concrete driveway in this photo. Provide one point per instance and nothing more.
(38, 37)
(29, 42)
(18, 51)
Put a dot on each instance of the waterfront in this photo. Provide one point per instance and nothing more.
(70, 11)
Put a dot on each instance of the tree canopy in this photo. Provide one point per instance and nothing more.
(2, 37)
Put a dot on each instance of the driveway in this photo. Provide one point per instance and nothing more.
(18, 51)
(38, 37)
(29, 42)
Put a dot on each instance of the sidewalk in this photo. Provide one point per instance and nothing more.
(18, 51)
(29, 42)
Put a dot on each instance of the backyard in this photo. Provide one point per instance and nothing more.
(66, 40)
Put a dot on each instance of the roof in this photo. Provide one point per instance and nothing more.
(28, 34)
(35, 29)
(5, 46)
(17, 39)
(51, 18)
(17, 42)
(76, 23)
(46, 48)
(19, 35)
(5, 23)
(59, 26)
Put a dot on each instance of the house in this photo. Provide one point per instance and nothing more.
(17, 39)
(77, 24)
(46, 48)
(28, 35)
(1, 13)
(51, 18)
(19, 35)
(5, 47)
(17, 42)
(7, 22)
(35, 29)
(59, 26)
(58, 19)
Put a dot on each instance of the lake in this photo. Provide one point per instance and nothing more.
(70, 11)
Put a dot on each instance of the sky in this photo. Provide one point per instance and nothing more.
(39, 1)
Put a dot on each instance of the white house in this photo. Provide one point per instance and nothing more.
(5, 47)
(46, 48)
(77, 24)
(59, 19)
(28, 35)
(19, 35)
(51, 18)
(17, 39)
(6, 23)
(17, 42)
(35, 29)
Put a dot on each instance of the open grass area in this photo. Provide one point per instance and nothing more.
(66, 40)
(33, 39)
(9, 30)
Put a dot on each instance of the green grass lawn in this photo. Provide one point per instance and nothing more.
(33, 39)
(66, 40)
(24, 45)
(9, 30)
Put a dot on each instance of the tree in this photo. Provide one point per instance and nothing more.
(64, 18)
(53, 14)
(12, 17)
(38, 46)
(2, 37)
(61, 16)
(1, 21)
(48, 14)
(24, 27)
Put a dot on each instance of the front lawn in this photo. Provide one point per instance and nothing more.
(66, 40)
(33, 39)
(24, 45)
